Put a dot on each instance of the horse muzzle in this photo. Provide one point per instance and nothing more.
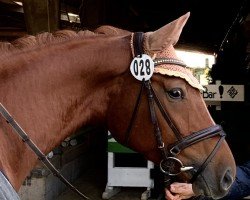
(216, 186)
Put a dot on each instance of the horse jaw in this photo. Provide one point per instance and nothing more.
(167, 35)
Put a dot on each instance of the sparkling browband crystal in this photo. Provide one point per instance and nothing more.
(160, 61)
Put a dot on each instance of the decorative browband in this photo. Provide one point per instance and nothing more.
(161, 61)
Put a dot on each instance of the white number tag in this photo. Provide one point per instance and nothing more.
(142, 67)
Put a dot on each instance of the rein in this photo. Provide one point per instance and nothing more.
(170, 166)
(10, 120)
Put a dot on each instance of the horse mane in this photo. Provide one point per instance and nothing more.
(110, 30)
(30, 41)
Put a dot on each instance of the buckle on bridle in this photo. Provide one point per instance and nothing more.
(175, 151)
(161, 146)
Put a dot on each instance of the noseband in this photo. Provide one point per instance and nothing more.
(170, 165)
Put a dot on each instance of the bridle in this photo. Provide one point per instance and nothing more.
(170, 165)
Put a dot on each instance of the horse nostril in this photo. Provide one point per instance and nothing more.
(227, 180)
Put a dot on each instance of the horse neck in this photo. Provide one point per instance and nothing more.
(58, 90)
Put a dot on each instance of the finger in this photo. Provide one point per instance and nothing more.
(179, 185)
(183, 189)
(185, 197)
(170, 196)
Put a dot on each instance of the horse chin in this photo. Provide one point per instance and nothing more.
(202, 187)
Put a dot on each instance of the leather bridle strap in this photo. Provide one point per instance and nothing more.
(134, 115)
(208, 159)
(197, 137)
(167, 117)
(21, 133)
(154, 120)
(138, 51)
(137, 43)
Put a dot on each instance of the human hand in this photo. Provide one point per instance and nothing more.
(179, 191)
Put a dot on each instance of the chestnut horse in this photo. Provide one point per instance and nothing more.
(53, 84)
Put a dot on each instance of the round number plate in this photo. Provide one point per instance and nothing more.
(142, 67)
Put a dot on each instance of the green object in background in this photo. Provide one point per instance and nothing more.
(114, 146)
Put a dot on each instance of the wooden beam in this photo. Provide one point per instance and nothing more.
(41, 15)
(12, 33)
(9, 34)
(92, 13)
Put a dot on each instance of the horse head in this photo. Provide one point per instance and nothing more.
(166, 118)
(76, 79)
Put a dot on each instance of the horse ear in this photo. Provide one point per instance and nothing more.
(165, 36)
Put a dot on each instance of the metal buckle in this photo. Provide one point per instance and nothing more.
(172, 166)
(161, 146)
(174, 151)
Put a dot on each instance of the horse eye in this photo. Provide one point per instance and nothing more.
(175, 93)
